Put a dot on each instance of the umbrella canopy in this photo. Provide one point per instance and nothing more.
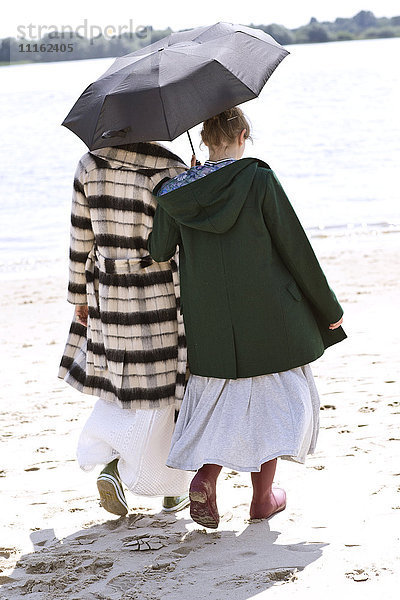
(164, 89)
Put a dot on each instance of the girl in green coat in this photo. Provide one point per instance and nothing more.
(257, 310)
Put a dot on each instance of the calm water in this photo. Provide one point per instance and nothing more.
(327, 122)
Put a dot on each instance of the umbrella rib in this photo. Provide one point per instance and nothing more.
(226, 69)
(182, 51)
(203, 32)
(127, 66)
(238, 31)
(163, 107)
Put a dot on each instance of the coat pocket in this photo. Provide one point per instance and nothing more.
(294, 290)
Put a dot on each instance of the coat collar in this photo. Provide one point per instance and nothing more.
(144, 155)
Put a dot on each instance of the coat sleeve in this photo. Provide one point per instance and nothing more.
(81, 239)
(164, 238)
(296, 252)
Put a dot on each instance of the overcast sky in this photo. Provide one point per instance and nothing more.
(179, 14)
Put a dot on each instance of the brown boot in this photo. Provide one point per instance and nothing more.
(266, 501)
(203, 499)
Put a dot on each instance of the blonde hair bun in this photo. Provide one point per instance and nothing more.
(225, 127)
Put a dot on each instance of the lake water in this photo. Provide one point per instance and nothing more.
(327, 122)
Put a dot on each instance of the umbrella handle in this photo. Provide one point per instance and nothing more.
(194, 153)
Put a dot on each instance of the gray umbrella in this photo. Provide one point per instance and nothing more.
(164, 89)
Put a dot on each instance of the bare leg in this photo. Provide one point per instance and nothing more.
(266, 502)
(203, 499)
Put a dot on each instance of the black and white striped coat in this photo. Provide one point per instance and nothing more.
(133, 351)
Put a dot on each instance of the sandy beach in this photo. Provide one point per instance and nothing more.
(338, 537)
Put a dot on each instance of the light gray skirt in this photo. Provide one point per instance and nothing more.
(242, 423)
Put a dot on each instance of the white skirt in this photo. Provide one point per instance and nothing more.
(141, 440)
(242, 423)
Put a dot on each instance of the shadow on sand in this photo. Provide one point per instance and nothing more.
(106, 562)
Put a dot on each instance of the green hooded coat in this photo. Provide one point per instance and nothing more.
(253, 295)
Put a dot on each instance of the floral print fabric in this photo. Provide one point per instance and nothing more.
(192, 174)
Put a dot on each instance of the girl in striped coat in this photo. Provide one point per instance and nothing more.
(126, 343)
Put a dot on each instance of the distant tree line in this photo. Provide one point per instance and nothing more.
(57, 46)
(364, 25)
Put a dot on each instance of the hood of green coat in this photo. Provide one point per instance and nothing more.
(213, 202)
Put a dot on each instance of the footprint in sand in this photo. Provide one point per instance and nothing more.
(49, 587)
(328, 407)
(183, 550)
(95, 566)
(214, 565)
(166, 566)
(144, 521)
(365, 574)
(116, 524)
(45, 566)
(283, 575)
(7, 553)
(217, 564)
(84, 539)
(124, 581)
(198, 537)
(143, 543)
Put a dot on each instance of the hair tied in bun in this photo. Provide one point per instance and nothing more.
(224, 128)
